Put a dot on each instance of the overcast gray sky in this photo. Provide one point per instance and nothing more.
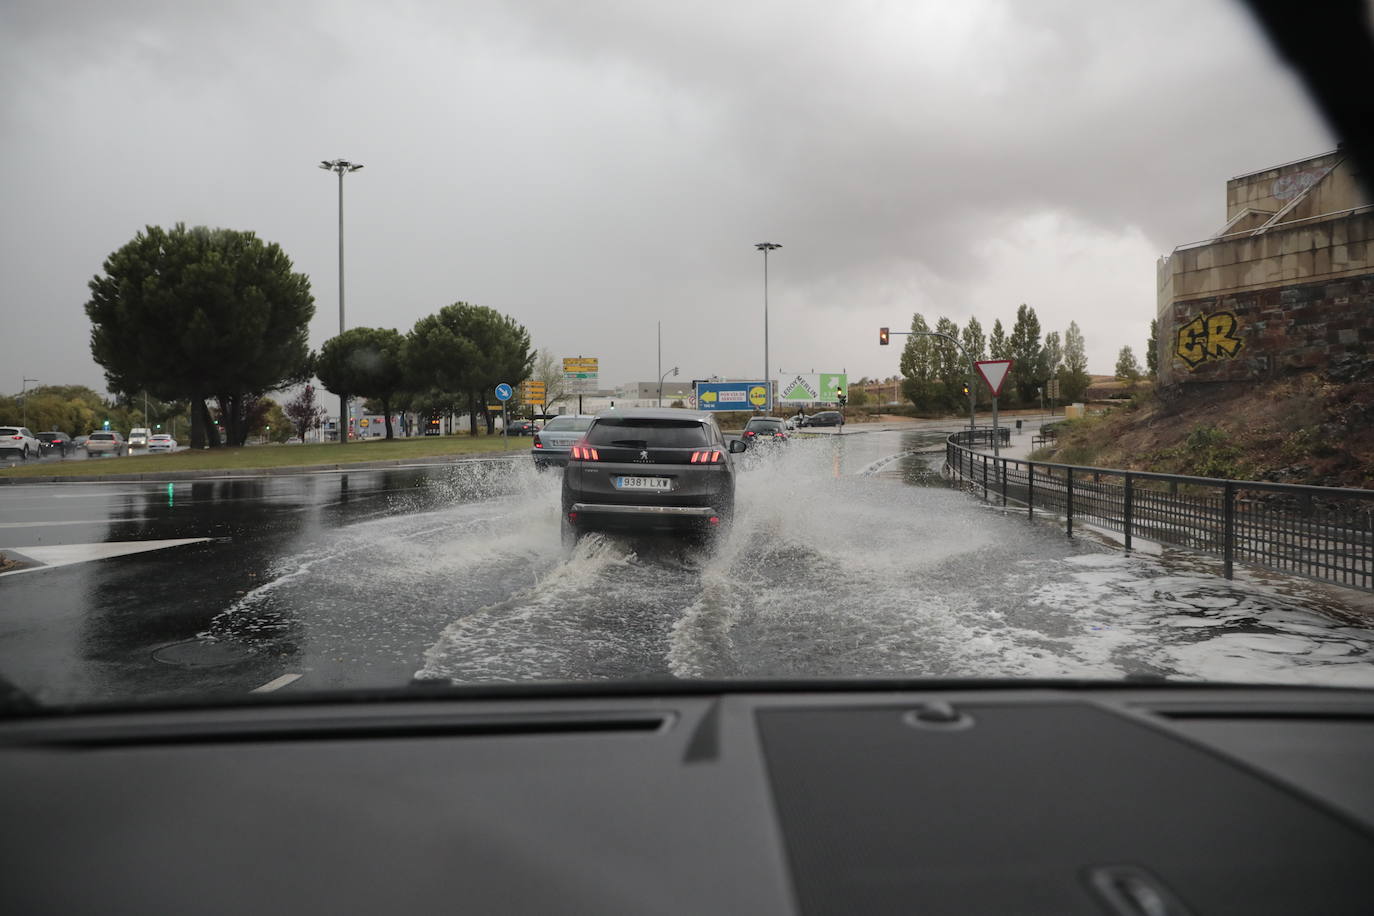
(591, 168)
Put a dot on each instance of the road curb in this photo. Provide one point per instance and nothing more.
(289, 471)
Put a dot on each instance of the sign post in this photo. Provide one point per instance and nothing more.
(580, 372)
(994, 373)
(503, 394)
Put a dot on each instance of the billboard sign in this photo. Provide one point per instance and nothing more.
(731, 395)
(812, 387)
(580, 373)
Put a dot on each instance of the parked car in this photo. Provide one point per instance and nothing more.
(56, 442)
(106, 442)
(295, 440)
(551, 444)
(521, 428)
(764, 429)
(162, 443)
(17, 440)
(650, 469)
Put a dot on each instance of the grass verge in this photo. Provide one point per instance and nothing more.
(254, 457)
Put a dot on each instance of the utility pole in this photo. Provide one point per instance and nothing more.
(24, 401)
(341, 166)
(766, 247)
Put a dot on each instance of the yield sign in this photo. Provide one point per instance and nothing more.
(994, 372)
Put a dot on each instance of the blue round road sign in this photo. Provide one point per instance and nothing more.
(503, 392)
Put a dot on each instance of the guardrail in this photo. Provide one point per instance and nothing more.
(1322, 533)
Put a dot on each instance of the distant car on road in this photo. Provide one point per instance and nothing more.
(162, 443)
(295, 440)
(138, 437)
(56, 442)
(17, 440)
(80, 441)
(825, 418)
(764, 429)
(650, 469)
(551, 444)
(106, 442)
(521, 428)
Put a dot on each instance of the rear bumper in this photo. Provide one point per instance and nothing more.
(607, 515)
(545, 456)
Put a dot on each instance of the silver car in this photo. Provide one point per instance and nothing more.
(650, 468)
(551, 444)
(106, 442)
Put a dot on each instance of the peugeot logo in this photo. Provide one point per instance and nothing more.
(644, 455)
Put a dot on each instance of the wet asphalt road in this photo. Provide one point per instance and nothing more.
(848, 558)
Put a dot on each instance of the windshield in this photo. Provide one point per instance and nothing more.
(1062, 312)
(568, 425)
(655, 433)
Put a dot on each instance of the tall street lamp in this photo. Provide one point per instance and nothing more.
(24, 401)
(661, 377)
(341, 166)
(766, 247)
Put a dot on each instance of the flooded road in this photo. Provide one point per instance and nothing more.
(848, 557)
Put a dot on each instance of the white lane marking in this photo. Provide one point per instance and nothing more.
(65, 554)
(277, 683)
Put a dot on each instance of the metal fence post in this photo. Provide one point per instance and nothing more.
(1068, 500)
(1126, 507)
(1228, 516)
(1002, 466)
(1030, 489)
(985, 478)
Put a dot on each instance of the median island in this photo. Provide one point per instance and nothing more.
(266, 458)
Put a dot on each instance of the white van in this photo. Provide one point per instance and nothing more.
(138, 437)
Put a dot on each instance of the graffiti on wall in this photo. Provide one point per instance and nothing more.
(1208, 337)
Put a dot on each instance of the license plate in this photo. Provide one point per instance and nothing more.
(643, 483)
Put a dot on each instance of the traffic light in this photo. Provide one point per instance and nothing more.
(839, 396)
(965, 389)
(883, 337)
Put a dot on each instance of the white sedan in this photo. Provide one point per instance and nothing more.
(162, 443)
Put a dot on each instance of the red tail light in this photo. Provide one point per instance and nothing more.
(585, 453)
(715, 520)
(709, 456)
(537, 443)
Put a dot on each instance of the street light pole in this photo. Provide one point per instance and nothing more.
(661, 377)
(24, 401)
(766, 247)
(341, 166)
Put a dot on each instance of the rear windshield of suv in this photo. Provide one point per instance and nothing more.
(48, 437)
(8, 431)
(102, 435)
(568, 424)
(629, 432)
(763, 423)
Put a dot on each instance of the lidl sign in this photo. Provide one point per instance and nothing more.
(812, 387)
(731, 395)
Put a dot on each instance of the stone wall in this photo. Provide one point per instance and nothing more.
(1264, 333)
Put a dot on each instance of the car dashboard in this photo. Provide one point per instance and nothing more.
(702, 798)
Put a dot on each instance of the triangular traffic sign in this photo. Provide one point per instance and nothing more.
(994, 372)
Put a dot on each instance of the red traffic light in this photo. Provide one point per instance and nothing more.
(883, 337)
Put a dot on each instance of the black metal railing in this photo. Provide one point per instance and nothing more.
(1324, 533)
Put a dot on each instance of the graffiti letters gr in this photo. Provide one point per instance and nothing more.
(1208, 337)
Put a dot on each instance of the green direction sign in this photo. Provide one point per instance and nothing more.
(813, 387)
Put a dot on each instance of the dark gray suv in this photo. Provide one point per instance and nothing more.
(650, 469)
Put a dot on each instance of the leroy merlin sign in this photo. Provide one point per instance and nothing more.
(812, 388)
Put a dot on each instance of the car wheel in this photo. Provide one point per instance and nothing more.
(569, 533)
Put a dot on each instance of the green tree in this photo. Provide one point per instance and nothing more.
(1073, 375)
(366, 362)
(199, 313)
(549, 370)
(918, 367)
(1028, 372)
(951, 369)
(1152, 349)
(1054, 354)
(469, 349)
(998, 346)
(271, 422)
(1127, 368)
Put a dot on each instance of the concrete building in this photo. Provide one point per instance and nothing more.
(1287, 284)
